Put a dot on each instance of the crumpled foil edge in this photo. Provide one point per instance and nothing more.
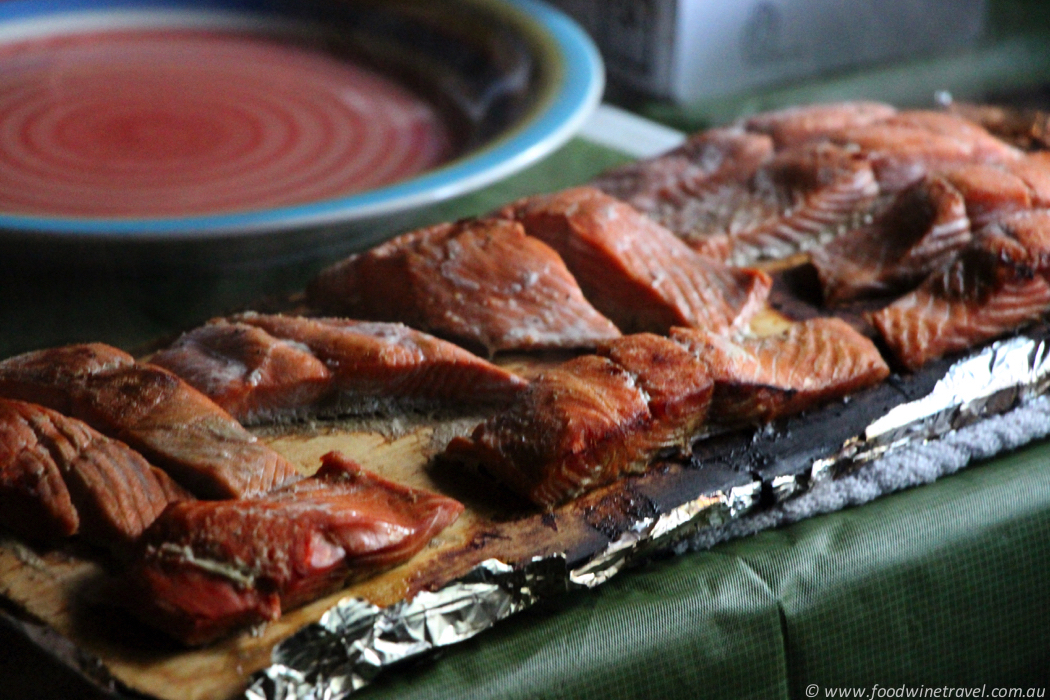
(355, 641)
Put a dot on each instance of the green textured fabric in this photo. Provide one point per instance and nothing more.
(941, 585)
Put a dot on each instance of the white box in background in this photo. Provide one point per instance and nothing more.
(690, 50)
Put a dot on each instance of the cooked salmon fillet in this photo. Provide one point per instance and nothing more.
(271, 367)
(1020, 239)
(989, 192)
(482, 283)
(59, 478)
(793, 126)
(635, 271)
(983, 146)
(923, 228)
(594, 419)
(1034, 170)
(819, 190)
(1028, 129)
(831, 167)
(159, 415)
(574, 429)
(206, 569)
(757, 379)
(683, 188)
(676, 385)
(705, 160)
(910, 145)
(245, 370)
(786, 203)
(375, 363)
(975, 298)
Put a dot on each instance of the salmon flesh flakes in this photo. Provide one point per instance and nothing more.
(482, 283)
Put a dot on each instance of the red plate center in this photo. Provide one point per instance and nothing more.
(168, 123)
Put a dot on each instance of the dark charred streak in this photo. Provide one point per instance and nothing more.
(617, 511)
(482, 539)
(549, 520)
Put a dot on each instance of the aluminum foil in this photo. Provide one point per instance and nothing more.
(989, 382)
(355, 641)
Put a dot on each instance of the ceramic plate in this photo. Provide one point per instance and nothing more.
(242, 130)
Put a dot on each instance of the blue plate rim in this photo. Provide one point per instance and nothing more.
(582, 83)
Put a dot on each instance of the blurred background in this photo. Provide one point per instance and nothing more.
(693, 63)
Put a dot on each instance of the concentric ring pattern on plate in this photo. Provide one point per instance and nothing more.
(182, 120)
(170, 123)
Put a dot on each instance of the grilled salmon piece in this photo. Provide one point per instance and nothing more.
(927, 224)
(923, 228)
(574, 429)
(813, 193)
(681, 189)
(206, 569)
(482, 283)
(159, 415)
(1020, 239)
(706, 159)
(59, 477)
(983, 145)
(910, 145)
(271, 367)
(793, 126)
(1025, 128)
(593, 419)
(762, 378)
(1034, 170)
(50, 377)
(374, 364)
(635, 271)
(975, 298)
(778, 205)
(248, 372)
(990, 192)
(676, 385)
